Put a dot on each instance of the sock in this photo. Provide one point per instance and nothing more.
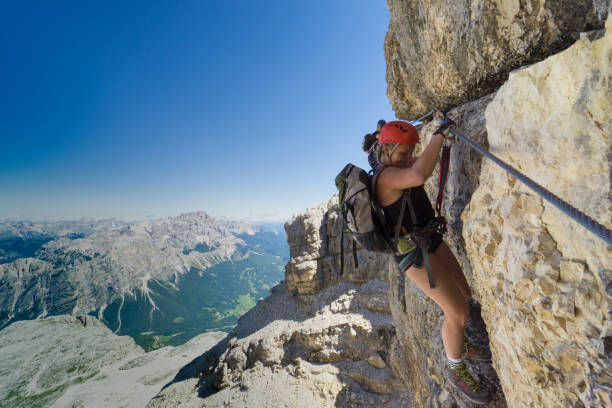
(454, 362)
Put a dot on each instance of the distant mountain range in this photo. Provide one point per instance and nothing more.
(161, 282)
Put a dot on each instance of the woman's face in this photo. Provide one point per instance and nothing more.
(402, 156)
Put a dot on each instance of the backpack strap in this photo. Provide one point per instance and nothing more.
(379, 170)
(398, 227)
(405, 198)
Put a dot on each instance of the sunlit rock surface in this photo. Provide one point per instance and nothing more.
(445, 53)
(545, 282)
(315, 239)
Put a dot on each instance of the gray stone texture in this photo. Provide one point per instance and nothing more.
(445, 53)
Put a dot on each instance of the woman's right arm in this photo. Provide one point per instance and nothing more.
(397, 178)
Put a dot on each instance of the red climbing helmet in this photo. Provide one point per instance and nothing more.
(398, 131)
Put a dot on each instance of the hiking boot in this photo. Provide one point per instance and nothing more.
(475, 354)
(462, 379)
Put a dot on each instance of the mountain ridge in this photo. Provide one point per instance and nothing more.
(113, 269)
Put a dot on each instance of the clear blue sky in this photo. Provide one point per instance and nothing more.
(136, 109)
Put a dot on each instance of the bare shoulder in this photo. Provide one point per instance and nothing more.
(386, 193)
(397, 178)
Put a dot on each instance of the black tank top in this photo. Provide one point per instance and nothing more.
(422, 208)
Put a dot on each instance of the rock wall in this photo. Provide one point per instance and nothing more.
(442, 53)
(545, 282)
(315, 243)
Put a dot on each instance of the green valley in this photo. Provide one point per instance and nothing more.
(202, 300)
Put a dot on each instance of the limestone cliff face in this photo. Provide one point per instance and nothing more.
(544, 282)
(443, 53)
(315, 241)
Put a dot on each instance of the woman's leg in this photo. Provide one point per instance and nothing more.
(450, 264)
(450, 299)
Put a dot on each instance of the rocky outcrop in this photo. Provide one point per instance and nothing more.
(442, 53)
(545, 282)
(315, 243)
(322, 338)
(65, 361)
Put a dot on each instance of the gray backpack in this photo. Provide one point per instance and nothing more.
(365, 220)
(363, 217)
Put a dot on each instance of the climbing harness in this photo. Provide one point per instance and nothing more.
(421, 236)
(575, 214)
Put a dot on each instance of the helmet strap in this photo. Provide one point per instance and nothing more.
(393, 149)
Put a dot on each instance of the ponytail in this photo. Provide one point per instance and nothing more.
(382, 158)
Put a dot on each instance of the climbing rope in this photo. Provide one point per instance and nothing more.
(575, 214)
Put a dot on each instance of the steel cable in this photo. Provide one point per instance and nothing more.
(575, 214)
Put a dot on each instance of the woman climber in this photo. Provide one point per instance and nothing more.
(403, 175)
